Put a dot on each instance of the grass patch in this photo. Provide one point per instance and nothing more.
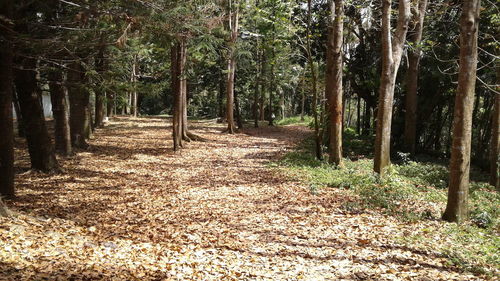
(412, 191)
(295, 120)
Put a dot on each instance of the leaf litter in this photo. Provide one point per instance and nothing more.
(129, 208)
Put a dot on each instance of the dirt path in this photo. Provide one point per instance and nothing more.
(131, 209)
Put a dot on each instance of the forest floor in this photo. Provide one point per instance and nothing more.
(131, 209)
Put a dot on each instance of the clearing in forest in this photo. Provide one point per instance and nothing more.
(130, 209)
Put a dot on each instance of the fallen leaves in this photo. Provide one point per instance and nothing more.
(131, 209)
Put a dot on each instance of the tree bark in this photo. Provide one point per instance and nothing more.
(60, 111)
(262, 104)
(495, 142)
(176, 70)
(6, 124)
(334, 90)
(458, 189)
(40, 147)
(100, 95)
(134, 85)
(392, 50)
(231, 65)
(21, 131)
(79, 106)
(414, 54)
(314, 85)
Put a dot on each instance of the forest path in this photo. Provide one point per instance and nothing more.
(131, 209)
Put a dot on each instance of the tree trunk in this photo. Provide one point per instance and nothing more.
(414, 54)
(21, 131)
(262, 110)
(6, 125)
(109, 104)
(79, 106)
(183, 85)
(134, 85)
(100, 95)
(40, 146)
(495, 142)
(176, 69)
(358, 116)
(60, 111)
(233, 27)
(392, 50)
(239, 121)
(334, 90)
(314, 85)
(458, 189)
(256, 94)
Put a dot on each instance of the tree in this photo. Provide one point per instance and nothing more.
(233, 25)
(178, 63)
(495, 143)
(41, 150)
(458, 188)
(314, 84)
(392, 50)
(414, 54)
(60, 112)
(334, 80)
(6, 124)
(79, 104)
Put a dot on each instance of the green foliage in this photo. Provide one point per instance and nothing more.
(412, 191)
(295, 120)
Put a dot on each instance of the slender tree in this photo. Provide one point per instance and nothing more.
(6, 81)
(334, 90)
(314, 83)
(458, 188)
(392, 51)
(414, 54)
(495, 142)
(233, 24)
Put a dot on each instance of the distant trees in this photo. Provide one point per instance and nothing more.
(458, 190)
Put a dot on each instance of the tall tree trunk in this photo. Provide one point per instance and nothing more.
(61, 113)
(392, 50)
(134, 85)
(262, 109)
(100, 95)
(495, 142)
(302, 101)
(239, 121)
(334, 90)
(183, 85)
(110, 101)
(358, 116)
(21, 131)
(256, 94)
(414, 54)
(458, 189)
(6, 124)
(79, 106)
(231, 65)
(176, 69)
(314, 85)
(40, 147)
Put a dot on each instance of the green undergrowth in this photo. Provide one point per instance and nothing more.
(295, 120)
(412, 191)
